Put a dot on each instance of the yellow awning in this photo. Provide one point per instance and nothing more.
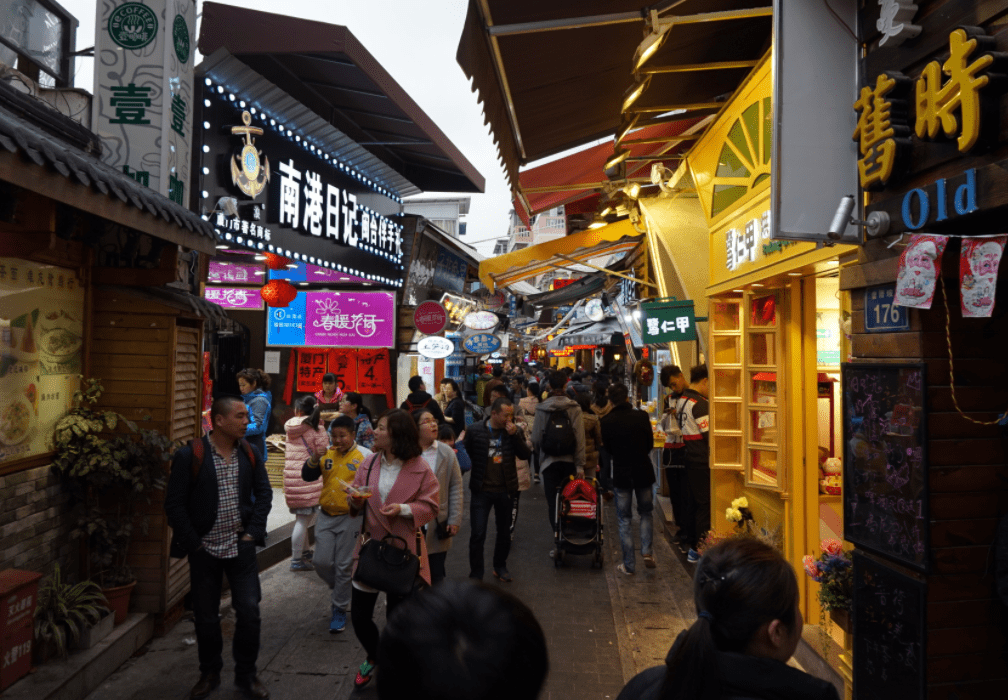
(537, 259)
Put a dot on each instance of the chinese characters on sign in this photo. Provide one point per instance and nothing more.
(881, 313)
(894, 22)
(234, 298)
(334, 319)
(343, 363)
(373, 376)
(747, 245)
(666, 322)
(450, 271)
(482, 344)
(235, 273)
(951, 108)
(310, 370)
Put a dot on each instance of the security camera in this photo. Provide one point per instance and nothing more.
(842, 218)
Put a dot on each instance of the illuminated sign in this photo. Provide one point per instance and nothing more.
(435, 347)
(334, 319)
(481, 320)
(482, 344)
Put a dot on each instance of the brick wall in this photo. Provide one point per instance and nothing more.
(35, 522)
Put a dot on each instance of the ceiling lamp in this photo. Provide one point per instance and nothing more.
(632, 190)
(597, 222)
(652, 42)
(634, 92)
(278, 293)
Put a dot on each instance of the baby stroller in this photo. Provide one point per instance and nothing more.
(579, 521)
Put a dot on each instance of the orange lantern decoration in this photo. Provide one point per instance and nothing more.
(278, 293)
(277, 262)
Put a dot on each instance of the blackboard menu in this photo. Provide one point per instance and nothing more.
(885, 461)
(889, 629)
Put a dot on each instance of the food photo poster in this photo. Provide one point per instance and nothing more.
(41, 346)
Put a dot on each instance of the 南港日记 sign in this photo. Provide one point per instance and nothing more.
(430, 318)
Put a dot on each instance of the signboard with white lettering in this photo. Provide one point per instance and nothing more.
(143, 91)
(334, 319)
(482, 344)
(293, 198)
(450, 271)
(435, 347)
(668, 321)
(881, 315)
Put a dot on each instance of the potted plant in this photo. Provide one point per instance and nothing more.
(109, 474)
(834, 572)
(63, 611)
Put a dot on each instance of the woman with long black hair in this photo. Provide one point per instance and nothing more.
(748, 626)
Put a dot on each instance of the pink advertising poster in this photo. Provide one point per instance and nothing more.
(235, 273)
(978, 268)
(234, 298)
(918, 271)
(350, 319)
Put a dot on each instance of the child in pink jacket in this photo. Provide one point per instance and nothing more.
(305, 437)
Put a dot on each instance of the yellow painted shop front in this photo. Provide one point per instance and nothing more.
(776, 340)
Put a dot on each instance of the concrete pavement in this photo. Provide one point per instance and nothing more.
(601, 627)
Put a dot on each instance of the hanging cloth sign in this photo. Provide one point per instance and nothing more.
(978, 268)
(343, 363)
(373, 373)
(919, 266)
(311, 369)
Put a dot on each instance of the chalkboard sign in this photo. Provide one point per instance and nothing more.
(885, 461)
(889, 628)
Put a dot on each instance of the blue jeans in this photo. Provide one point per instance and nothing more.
(479, 516)
(205, 572)
(645, 506)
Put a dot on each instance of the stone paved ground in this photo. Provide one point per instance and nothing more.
(601, 627)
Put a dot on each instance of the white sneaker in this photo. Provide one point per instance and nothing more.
(623, 570)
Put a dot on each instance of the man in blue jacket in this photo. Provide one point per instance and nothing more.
(209, 503)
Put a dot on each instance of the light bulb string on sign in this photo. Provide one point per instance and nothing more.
(948, 339)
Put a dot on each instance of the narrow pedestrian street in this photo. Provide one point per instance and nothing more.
(601, 627)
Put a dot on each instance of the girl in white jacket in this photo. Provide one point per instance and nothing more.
(305, 437)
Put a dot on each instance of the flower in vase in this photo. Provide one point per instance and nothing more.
(733, 515)
(831, 546)
(741, 502)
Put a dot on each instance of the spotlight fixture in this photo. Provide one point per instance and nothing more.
(632, 190)
(634, 92)
(617, 158)
(652, 42)
(626, 129)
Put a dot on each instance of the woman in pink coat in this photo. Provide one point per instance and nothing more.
(403, 498)
(305, 437)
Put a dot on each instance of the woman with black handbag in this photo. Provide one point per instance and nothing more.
(399, 495)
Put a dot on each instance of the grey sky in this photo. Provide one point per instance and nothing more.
(415, 41)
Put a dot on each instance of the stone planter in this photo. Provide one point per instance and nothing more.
(90, 636)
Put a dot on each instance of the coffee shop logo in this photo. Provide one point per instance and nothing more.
(250, 170)
(132, 25)
(180, 36)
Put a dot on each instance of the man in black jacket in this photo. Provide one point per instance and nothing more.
(492, 446)
(419, 398)
(627, 436)
(217, 525)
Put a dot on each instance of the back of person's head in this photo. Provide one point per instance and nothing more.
(601, 397)
(307, 406)
(499, 392)
(618, 393)
(568, 371)
(446, 434)
(415, 382)
(557, 380)
(667, 372)
(462, 641)
(584, 400)
(698, 374)
(497, 372)
(534, 390)
(740, 585)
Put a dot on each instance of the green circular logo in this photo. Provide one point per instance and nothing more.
(133, 25)
(180, 35)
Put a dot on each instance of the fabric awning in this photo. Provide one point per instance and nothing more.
(551, 76)
(327, 71)
(502, 270)
(598, 333)
(581, 289)
(581, 174)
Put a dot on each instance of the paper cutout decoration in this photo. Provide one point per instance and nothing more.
(978, 268)
(919, 266)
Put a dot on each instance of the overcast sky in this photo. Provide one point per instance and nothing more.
(415, 42)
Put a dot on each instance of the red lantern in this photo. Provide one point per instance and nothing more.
(277, 262)
(278, 293)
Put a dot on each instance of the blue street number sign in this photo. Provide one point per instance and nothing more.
(881, 315)
(482, 344)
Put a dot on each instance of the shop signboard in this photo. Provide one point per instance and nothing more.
(143, 102)
(450, 271)
(430, 318)
(313, 274)
(234, 297)
(482, 344)
(435, 347)
(221, 272)
(668, 321)
(881, 315)
(292, 197)
(334, 319)
(593, 310)
(41, 340)
(481, 320)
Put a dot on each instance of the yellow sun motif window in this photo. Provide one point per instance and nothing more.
(744, 162)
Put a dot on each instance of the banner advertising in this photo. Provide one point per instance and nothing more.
(313, 274)
(373, 375)
(143, 91)
(41, 352)
(311, 369)
(334, 319)
(918, 271)
(234, 297)
(343, 363)
(235, 273)
(978, 268)
(450, 271)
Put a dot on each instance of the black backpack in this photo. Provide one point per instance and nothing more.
(558, 437)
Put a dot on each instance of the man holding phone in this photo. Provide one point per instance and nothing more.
(492, 446)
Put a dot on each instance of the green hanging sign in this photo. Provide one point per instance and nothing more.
(667, 321)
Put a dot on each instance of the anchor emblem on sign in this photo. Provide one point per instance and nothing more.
(250, 171)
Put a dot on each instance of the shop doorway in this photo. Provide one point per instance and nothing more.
(830, 344)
